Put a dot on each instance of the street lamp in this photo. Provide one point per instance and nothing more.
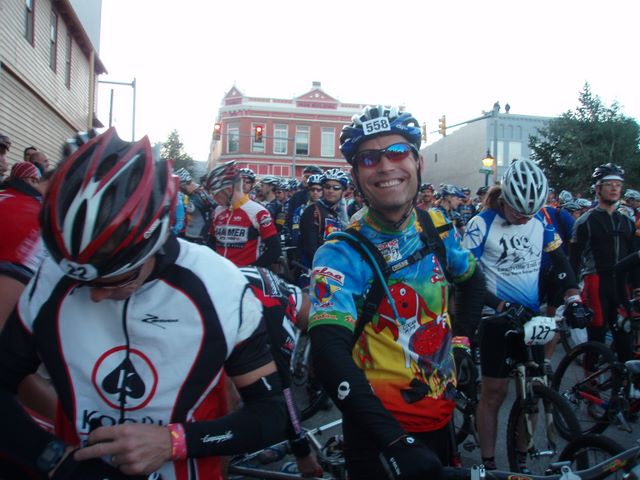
(131, 84)
(488, 163)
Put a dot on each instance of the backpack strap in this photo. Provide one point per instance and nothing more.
(431, 236)
(370, 253)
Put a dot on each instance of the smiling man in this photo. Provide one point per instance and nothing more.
(136, 329)
(390, 369)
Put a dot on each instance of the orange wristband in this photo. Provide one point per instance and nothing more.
(178, 441)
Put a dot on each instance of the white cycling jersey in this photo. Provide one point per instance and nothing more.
(510, 255)
(156, 357)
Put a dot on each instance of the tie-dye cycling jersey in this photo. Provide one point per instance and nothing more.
(407, 361)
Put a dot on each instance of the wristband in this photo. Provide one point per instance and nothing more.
(572, 298)
(178, 441)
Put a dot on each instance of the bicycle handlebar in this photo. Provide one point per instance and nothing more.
(625, 459)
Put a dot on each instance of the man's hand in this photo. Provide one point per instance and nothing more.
(408, 459)
(578, 315)
(516, 312)
(135, 449)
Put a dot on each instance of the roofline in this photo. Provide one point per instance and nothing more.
(75, 26)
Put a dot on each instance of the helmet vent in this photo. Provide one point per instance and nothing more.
(106, 165)
(78, 230)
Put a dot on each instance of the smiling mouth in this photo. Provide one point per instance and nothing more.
(389, 183)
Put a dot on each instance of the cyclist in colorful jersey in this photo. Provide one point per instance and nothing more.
(394, 383)
(425, 198)
(508, 239)
(301, 196)
(314, 187)
(601, 238)
(285, 305)
(450, 199)
(323, 218)
(136, 329)
(466, 209)
(199, 207)
(242, 230)
(248, 179)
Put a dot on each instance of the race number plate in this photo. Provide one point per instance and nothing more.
(539, 330)
(376, 125)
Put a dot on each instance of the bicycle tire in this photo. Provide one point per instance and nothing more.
(582, 451)
(308, 399)
(466, 399)
(552, 406)
(568, 381)
(571, 338)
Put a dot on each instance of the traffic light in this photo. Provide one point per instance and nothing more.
(217, 131)
(257, 134)
(442, 125)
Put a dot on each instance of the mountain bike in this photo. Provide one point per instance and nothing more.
(536, 410)
(600, 390)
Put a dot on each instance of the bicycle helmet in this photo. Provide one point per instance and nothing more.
(564, 197)
(248, 174)
(314, 180)
(312, 169)
(375, 121)
(222, 176)
(583, 202)
(110, 206)
(337, 175)
(270, 180)
(448, 189)
(631, 194)
(572, 206)
(524, 187)
(293, 184)
(184, 176)
(426, 186)
(608, 171)
(283, 185)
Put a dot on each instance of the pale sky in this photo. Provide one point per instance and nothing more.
(446, 57)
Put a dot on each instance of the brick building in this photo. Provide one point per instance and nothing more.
(296, 132)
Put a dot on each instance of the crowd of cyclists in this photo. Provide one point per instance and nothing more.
(157, 309)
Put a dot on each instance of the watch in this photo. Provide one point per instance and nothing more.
(51, 455)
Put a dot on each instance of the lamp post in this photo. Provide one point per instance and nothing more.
(488, 163)
(131, 84)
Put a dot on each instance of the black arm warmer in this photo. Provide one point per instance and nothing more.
(332, 363)
(271, 253)
(491, 299)
(562, 270)
(469, 300)
(260, 422)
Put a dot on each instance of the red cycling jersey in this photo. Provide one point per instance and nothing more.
(20, 244)
(240, 230)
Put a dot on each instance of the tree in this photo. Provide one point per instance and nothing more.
(173, 149)
(572, 145)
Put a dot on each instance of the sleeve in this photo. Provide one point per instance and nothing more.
(550, 239)
(475, 235)
(271, 253)
(308, 233)
(579, 240)
(21, 437)
(265, 224)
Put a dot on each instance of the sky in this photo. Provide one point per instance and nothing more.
(450, 57)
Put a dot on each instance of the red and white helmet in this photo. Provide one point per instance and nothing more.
(110, 206)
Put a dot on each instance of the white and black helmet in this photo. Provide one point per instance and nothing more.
(524, 187)
(631, 194)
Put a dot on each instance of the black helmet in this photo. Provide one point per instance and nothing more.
(608, 171)
(312, 169)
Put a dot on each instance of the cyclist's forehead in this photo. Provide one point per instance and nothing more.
(382, 141)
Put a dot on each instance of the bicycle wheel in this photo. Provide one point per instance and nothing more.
(466, 395)
(587, 451)
(308, 395)
(585, 378)
(545, 444)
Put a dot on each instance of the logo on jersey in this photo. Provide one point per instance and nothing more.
(157, 321)
(125, 378)
(329, 273)
(390, 250)
(230, 234)
(520, 253)
(265, 220)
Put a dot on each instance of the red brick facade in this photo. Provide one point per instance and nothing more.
(297, 132)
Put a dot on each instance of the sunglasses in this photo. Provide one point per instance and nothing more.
(396, 153)
(125, 282)
(332, 187)
(315, 189)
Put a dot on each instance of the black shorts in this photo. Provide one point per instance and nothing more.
(500, 350)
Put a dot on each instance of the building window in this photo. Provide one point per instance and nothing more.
(302, 140)
(515, 150)
(258, 146)
(233, 139)
(29, 18)
(280, 139)
(53, 41)
(67, 61)
(328, 148)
